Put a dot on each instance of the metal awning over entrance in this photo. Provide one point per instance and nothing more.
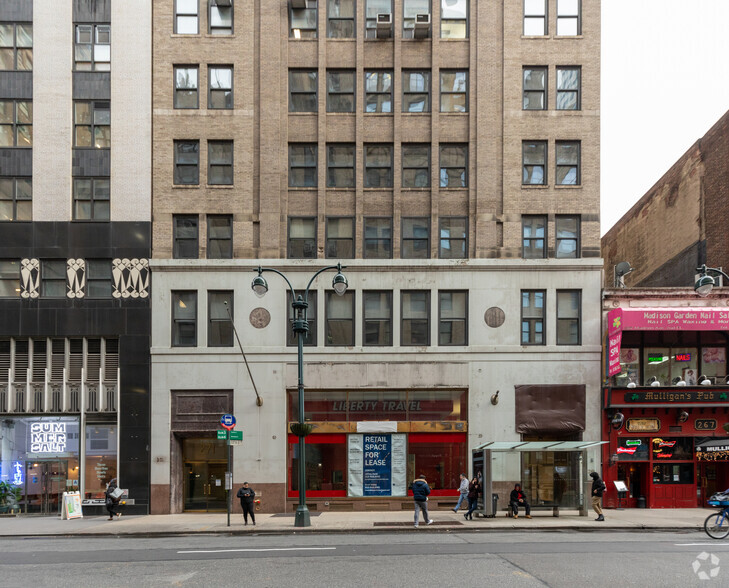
(539, 445)
(713, 445)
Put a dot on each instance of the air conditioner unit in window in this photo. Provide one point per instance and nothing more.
(299, 4)
(422, 26)
(384, 25)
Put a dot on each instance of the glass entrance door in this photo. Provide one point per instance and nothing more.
(45, 483)
(205, 486)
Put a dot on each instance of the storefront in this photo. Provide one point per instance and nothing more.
(667, 397)
(372, 444)
(43, 458)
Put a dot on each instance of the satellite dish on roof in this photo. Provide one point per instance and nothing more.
(621, 270)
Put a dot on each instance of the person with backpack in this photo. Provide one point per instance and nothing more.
(473, 489)
(111, 500)
(420, 498)
(598, 488)
(246, 495)
(463, 489)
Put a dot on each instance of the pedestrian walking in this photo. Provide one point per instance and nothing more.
(420, 498)
(111, 500)
(246, 495)
(598, 487)
(517, 499)
(473, 489)
(463, 489)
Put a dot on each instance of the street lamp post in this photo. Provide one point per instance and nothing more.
(300, 327)
(705, 283)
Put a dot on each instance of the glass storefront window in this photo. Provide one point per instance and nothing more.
(673, 473)
(657, 364)
(438, 405)
(713, 362)
(629, 367)
(633, 449)
(101, 459)
(326, 466)
(441, 457)
(378, 406)
(673, 448)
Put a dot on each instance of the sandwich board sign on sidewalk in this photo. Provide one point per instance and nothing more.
(71, 506)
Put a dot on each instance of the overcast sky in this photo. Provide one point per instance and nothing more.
(665, 82)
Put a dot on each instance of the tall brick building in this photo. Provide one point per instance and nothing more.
(680, 223)
(446, 152)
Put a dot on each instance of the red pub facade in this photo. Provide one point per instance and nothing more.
(665, 397)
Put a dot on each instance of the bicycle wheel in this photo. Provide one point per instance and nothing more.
(716, 525)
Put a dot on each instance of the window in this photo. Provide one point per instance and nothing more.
(340, 91)
(92, 125)
(221, 17)
(93, 47)
(302, 238)
(453, 19)
(378, 91)
(453, 238)
(534, 237)
(187, 163)
(340, 19)
(16, 199)
(16, 46)
(454, 91)
(415, 165)
(378, 166)
(311, 314)
(186, 86)
(186, 17)
(220, 236)
(302, 90)
(377, 318)
(453, 318)
(377, 238)
(568, 163)
(568, 317)
(567, 231)
(532, 317)
(410, 10)
(220, 163)
(98, 278)
(185, 236)
(220, 94)
(16, 123)
(415, 238)
(53, 278)
(568, 88)
(220, 327)
(568, 18)
(303, 20)
(184, 318)
(415, 326)
(340, 238)
(535, 88)
(453, 166)
(340, 165)
(339, 318)
(535, 17)
(416, 91)
(372, 9)
(91, 199)
(9, 278)
(534, 163)
(302, 165)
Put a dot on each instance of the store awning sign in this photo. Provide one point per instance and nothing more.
(615, 334)
(675, 319)
(47, 437)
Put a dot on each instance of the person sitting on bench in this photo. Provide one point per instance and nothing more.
(517, 499)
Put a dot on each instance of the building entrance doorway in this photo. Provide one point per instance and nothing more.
(204, 466)
(45, 483)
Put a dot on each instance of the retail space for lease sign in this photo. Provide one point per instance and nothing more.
(377, 464)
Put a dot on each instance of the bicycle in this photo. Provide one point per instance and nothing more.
(716, 524)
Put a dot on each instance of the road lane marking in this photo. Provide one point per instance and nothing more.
(700, 544)
(262, 549)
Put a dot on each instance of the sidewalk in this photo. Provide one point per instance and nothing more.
(339, 522)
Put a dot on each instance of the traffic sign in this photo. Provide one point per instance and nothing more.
(222, 435)
(236, 443)
(227, 421)
(236, 435)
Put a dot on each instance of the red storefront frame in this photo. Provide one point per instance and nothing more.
(702, 404)
(453, 439)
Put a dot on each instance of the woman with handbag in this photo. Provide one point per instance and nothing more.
(112, 499)
(473, 489)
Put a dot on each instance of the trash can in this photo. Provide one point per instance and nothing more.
(641, 501)
(494, 504)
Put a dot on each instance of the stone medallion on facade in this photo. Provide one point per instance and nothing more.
(494, 317)
(260, 318)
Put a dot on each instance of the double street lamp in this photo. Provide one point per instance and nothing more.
(300, 327)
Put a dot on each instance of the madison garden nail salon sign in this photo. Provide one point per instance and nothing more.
(377, 465)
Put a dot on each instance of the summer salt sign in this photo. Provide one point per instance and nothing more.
(47, 437)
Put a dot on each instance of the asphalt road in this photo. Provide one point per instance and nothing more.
(387, 559)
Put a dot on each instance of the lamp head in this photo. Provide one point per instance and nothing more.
(339, 282)
(704, 381)
(654, 381)
(704, 285)
(259, 285)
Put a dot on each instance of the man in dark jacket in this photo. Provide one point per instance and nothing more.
(111, 501)
(246, 495)
(420, 497)
(517, 499)
(598, 487)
